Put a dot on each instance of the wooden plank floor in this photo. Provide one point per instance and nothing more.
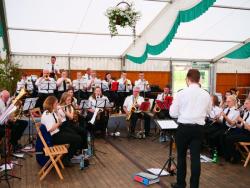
(118, 169)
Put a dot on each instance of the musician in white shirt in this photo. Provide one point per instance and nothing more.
(242, 134)
(135, 100)
(52, 121)
(63, 83)
(190, 105)
(53, 67)
(46, 87)
(101, 120)
(87, 75)
(142, 84)
(80, 86)
(93, 82)
(124, 88)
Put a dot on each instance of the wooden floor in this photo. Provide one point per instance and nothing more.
(115, 169)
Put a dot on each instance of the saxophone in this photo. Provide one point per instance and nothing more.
(133, 109)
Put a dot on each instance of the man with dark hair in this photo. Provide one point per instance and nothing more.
(53, 67)
(190, 106)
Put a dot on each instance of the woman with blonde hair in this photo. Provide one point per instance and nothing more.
(53, 121)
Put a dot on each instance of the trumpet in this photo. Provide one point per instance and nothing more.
(46, 77)
(68, 81)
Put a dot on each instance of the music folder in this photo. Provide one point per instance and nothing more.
(29, 103)
(167, 124)
(163, 105)
(114, 86)
(85, 104)
(144, 106)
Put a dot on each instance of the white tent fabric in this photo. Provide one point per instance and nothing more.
(215, 24)
(88, 16)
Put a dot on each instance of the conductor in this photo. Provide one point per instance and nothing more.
(190, 106)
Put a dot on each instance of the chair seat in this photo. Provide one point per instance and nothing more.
(55, 150)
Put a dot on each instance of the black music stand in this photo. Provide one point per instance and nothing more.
(3, 119)
(105, 86)
(80, 86)
(170, 126)
(30, 104)
(48, 85)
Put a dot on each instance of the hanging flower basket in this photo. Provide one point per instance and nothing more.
(124, 16)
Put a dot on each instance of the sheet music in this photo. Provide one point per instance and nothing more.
(82, 84)
(121, 87)
(6, 113)
(29, 103)
(48, 85)
(105, 86)
(167, 124)
(100, 103)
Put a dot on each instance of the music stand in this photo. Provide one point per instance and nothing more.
(170, 126)
(3, 119)
(48, 85)
(121, 87)
(79, 86)
(104, 86)
(28, 105)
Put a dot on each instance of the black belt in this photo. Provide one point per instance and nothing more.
(189, 124)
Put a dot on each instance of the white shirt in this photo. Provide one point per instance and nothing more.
(93, 101)
(215, 112)
(42, 85)
(106, 85)
(246, 117)
(48, 120)
(49, 67)
(62, 113)
(97, 82)
(2, 106)
(142, 84)
(59, 84)
(232, 115)
(161, 96)
(128, 86)
(21, 84)
(87, 77)
(130, 100)
(79, 84)
(191, 105)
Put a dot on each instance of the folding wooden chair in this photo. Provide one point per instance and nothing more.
(246, 152)
(54, 153)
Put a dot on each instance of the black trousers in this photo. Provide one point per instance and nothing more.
(163, 114)
(188, 136)
(72, 127)
(120, 100)
(135, 117)
(100, 124)
(67, 136)
(239, 135)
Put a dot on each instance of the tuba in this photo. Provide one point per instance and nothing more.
(17, 102)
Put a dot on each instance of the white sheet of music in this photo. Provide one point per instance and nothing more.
(167, 124)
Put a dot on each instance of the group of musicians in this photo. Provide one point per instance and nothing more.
(225, 125)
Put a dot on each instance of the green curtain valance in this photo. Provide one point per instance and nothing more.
(241, 53)
(183, 16)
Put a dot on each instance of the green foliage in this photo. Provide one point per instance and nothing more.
(121, 16)
(9, 75)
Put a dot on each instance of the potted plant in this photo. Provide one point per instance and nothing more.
(124, 16)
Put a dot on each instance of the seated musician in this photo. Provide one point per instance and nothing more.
(63, 83)
(70, 118)
(164, 113)
(101, 120)
(80, 86)
(52, 121)
(70, 91)
(112, 96)
(228, 118)
(135, 100)
(24, 83)
(242, 134)
(46, 87)
(17, 126)
(223, 103)
(142, 84)
(92, 83)
(122, 94)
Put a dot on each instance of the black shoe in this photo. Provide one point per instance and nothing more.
(175, 185)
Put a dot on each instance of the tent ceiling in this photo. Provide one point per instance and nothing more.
(88, 16)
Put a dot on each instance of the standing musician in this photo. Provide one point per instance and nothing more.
(123, 94)
(53, 67)
(92, 83)
(190, 106)
(70, 118)
(163, 113)
(17, 126)
(241, 135)
(79, 86)
(135, 101)
(101, 120)
(63, 83)
(43, 92)
(143, 85)
(52, 121)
